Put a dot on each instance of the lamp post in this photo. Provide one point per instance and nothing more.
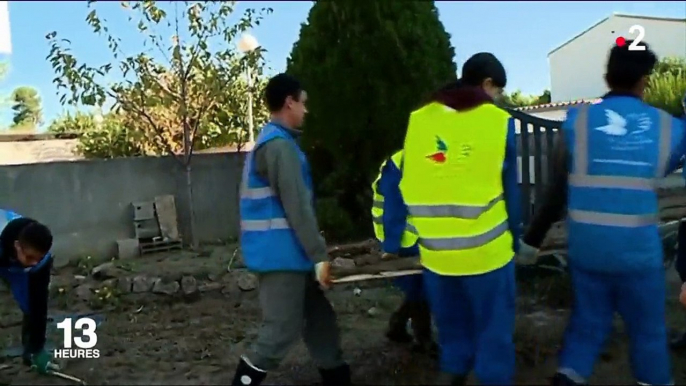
(248, 43)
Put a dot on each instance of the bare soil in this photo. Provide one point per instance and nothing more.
(152, 339)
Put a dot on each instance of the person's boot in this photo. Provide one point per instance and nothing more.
(420, 317)
(397, 325)
(679, 343)
(452, 380)
(339, 376)
(563, 380)
(247, 374)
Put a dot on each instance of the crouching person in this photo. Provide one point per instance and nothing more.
(280, 241)
(25, 264)
(390, 226)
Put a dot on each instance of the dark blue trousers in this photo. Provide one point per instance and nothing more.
(412, 287)
(639, 298)
(475, 316)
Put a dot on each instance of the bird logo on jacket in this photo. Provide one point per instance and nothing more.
(441, 151)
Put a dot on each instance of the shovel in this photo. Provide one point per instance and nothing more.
(53, 370)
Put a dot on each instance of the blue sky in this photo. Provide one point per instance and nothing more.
(520, 33)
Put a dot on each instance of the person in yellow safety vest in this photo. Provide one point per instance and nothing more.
(460, 187)
(389, 216)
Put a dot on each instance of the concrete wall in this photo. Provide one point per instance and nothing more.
(87, 204)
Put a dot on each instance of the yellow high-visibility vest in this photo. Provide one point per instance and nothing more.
(452, 185)
(408, 239)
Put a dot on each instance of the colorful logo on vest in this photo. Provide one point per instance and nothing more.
(440, 155)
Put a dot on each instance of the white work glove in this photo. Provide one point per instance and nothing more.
(322, 272)
(527, 255)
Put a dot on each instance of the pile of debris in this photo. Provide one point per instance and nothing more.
(364, 258)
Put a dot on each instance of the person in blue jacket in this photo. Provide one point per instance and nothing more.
(680, 342)
(388, 214)
(25, 264)
(607, 164)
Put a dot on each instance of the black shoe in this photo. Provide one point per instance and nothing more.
(563, 380)
(420, 320)
(397, 325)
(247, 374)
(452, 380)
(678, 343)
(429, 348)
(339, 376)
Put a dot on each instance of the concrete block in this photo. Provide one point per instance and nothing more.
(128, 248)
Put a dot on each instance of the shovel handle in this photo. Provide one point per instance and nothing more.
(67, 377)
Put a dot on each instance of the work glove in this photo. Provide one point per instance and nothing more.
(322, 272)
(40, 361)
(682, 295)
(388, 256)
(527, 255)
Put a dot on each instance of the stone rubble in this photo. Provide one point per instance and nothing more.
(108, 275)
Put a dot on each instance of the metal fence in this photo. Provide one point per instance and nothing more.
(534, 143)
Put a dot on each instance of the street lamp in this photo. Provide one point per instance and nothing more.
(98, 119)
(248, 43)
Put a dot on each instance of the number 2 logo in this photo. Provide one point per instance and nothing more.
(640, 35)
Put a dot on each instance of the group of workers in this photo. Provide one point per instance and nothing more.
(451, 197)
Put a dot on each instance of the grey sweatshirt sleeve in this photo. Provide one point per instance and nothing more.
(277, 161)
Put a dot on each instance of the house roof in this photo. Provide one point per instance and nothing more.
(615, 15)
(556, 105)
(38, 151)
(31, 148)
(246, 147)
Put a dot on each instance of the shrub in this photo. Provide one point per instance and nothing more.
(668, 85)
(365, 66)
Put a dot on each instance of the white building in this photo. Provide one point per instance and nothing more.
(577, 67)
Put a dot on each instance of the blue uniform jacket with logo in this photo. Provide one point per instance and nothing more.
(268, 242)
(29, 286)
(605, 171)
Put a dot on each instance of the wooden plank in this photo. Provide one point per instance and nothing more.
(160, 246)
(381, 275)
(166, 215)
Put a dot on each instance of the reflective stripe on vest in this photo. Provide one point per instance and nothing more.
(455, 200)
(457, 211)
(581, 179)
(409, 237)
(256, 194)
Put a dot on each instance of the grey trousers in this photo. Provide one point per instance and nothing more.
(293, 306)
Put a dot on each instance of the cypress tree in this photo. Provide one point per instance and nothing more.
(365, 66)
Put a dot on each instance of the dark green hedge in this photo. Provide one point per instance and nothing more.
(365, 65)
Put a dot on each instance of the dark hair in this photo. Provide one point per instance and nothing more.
(482, 66)
(625, 67)
(278, 89)
(36, 235)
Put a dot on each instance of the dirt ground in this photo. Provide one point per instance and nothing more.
(155, 339)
